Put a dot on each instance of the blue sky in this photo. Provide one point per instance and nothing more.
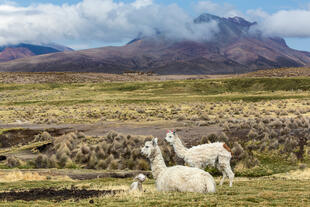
(273, 14)
(270, 6)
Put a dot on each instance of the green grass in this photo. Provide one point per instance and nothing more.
(254, 192)
(247, 89)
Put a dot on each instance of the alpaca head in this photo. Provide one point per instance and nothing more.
(170, 137)
(149, 148)
(141, 178)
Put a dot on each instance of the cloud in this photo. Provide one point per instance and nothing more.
(286, 23)
(283, 23)
(257, 14)
(224, 9)
(97, 20)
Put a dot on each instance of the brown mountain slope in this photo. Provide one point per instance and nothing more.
(233, 50)
(14, 53)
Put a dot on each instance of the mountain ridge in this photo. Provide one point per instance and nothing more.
(235, 48)
(23, 50)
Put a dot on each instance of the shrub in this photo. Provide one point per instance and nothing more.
(92, 162)
(252, 134)
(238, 151)
(143, 164)
(85, 149)
(41, 161)
(212, 138)
(204, 140)
(102, 164)
(44, 136)
(13, 162)
(113, 165)
(65, 161)
(52, 162)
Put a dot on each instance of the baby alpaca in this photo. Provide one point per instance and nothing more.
(215, 154)
(176, 178)
(137, 185)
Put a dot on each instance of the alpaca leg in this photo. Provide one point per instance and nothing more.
(230, 175)
(224, 163)
(221, 169)
(223, 178)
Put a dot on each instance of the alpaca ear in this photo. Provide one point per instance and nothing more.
(154, 141)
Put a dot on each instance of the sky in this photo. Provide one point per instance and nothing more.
(83, 24)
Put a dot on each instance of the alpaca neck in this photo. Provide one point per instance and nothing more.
(179, 148)
(157, 163)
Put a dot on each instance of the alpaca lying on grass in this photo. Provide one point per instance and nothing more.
(137, 185)
(176, 178)
(215, 154)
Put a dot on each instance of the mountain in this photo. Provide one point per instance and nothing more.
(235, 48)
(22, 50)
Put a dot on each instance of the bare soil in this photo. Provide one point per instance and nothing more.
(54, 195)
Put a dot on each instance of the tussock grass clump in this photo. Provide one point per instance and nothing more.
(13, 162)
(42, 161)
(44, 136)
(238, 151)
(252, 134)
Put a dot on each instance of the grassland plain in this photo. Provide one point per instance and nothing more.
(254, 192)
(90, 102)
(264, 120)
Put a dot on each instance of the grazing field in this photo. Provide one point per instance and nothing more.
(95, 128)
(246, 192)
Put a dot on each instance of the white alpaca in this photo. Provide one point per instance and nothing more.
(215, 154)
(176, 178)
(137, 185)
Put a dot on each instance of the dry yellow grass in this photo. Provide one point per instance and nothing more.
(8, 177)
(295, 175)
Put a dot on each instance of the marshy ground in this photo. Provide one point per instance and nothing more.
(84, 135)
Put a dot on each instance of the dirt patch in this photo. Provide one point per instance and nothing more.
(22, 136)
(17, 136)
(2, 157)
(55, 195)
(94, 175)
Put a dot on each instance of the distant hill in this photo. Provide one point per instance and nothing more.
(234, 49)
(12, 52)
(280, 72)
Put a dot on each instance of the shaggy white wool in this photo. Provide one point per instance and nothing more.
(137, 185)
(176, 178)
(200, 156)
(141, 177)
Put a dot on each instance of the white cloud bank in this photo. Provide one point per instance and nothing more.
(223, 10)
(112, 21)
(96, 20)
(284, 23)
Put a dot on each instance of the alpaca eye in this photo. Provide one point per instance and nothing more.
(146, 146)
